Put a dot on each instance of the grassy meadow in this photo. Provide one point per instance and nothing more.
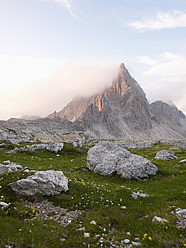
(95, 197)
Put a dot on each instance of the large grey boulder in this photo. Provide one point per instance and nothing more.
(10, 167)
(165, 155)
(55, 147)
(45, 182)
(106, 158)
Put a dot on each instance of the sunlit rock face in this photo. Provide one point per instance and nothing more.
(122, 111)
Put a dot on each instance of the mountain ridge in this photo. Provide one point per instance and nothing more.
(122, 110)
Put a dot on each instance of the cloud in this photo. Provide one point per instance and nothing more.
(36, 86)
(161, 20)
(66, 4)
(164, 78)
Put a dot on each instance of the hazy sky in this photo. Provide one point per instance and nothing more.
(53, 50)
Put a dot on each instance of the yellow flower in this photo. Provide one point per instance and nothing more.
(145, 235)
(50, 217)
(80, 213)
(150, 238)
(166, 227)
(15, 208)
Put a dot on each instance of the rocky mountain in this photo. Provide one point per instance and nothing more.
(170, 112)
(122, 111)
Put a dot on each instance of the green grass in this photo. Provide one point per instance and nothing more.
(99, 198)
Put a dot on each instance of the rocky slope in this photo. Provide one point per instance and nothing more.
(122, 111)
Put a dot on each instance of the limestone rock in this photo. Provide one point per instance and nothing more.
(77, 142)
(135, 195)
(3, 205)
(181, 215)
(10, 167)
(183, 161)
(55, 147)
(45, 182)
(106, 158)
(159, 219)
(165, 155)
(36, 146)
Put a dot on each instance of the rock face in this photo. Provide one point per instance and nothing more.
(106, 158)
(122, 111)
(55, 147)
(10, 167)
(165, 155)
(170, 112)
(45, 182)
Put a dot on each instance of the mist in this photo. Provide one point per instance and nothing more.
(44, 94)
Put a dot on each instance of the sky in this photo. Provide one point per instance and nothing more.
(54, 50)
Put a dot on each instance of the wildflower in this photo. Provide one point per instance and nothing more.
(166, 227)
(76, 210)
(52, 231)
(15, 208)
(20, 230)
(145, 235)
(50, 217)
(150, 238)
(80, 213)
(36, 214)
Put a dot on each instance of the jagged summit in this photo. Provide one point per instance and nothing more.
(122, 110)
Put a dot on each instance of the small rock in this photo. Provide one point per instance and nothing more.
(81, 229)
(123, 207)
(159, 219)
(3, 205)
(135, 195)
(86, 235)
(93, 222)
(126, 241)
(136, 243)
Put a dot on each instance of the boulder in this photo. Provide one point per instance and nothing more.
(77, 142)
(106, 158)
(165, 155)
(45, 182)
(135, 195)
(36, 146)
(55, 147)
(10, 167)
(183, 161)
